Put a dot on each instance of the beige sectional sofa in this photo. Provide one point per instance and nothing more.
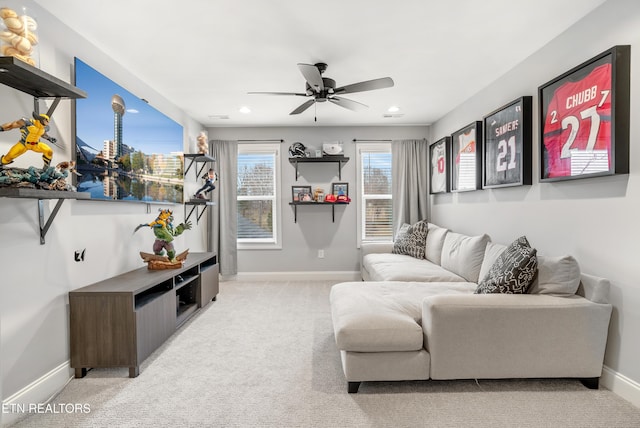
(414, 319)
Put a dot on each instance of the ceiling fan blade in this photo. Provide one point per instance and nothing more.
(303, 107)
(279, 93)
(369, 85)
(348, 104)
(312, 76)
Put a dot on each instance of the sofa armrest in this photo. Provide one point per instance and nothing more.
(372, 248)
(375, 247)
(495, 336)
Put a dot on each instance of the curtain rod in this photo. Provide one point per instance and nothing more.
(260, 141)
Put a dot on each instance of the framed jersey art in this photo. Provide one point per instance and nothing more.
(584, 119)
(507, 145)
(439, 166)
(466, 159)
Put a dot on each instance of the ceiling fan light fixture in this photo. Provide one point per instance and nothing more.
(322, 89)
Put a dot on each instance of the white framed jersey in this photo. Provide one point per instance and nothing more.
(439, 171)
(466, 161)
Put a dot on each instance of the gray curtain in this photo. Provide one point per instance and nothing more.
(224, 219)
(409, 189)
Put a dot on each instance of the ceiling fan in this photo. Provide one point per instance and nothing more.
(324, 89)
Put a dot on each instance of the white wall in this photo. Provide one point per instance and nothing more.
(35, 280)
(314, 230)
(596, 219)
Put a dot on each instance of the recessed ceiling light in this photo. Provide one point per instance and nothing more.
(245, 110)
(393, 109)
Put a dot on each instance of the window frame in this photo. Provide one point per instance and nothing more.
(274, 243)
(381, 147)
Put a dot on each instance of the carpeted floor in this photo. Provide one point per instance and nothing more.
(263, 355)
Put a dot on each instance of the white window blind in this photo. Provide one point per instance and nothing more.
(258, 166)
(376, 216)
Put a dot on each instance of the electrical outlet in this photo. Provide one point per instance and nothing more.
(79, 255)
(321, 254)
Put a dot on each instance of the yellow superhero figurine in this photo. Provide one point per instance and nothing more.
(32, 130)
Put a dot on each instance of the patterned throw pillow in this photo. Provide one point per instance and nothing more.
(411, 240)
(513, 271)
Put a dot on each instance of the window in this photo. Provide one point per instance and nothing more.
(375, 212)
(258, 207)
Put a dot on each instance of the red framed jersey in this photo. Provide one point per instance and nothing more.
(577, 127)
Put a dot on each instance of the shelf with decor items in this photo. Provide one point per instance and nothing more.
(120, 321)
(339, 159)
(199, 206)
(302, 194)
(31, 80)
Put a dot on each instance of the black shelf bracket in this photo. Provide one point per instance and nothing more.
(340, 160)
(198, 207)
(197, 158)
(333, 208)
(41, 196)
(44, 226)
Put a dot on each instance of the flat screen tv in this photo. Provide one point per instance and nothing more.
(126, 150)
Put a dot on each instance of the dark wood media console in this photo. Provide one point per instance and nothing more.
(120, 321)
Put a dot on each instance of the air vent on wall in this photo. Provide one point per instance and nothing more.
(219, 116)
(387, 115)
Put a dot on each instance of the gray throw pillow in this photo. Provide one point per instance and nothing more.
(411, 240)
(513, 271)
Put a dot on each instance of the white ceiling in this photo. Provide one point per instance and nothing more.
(205, 55)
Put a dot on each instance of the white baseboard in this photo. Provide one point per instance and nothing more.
(294, 276)
(39, 391)
(621, 385)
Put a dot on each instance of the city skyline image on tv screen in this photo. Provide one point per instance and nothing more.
(125, 149)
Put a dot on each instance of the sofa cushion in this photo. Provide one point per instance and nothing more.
(399, 267)
(491, 254)
(463, 254)
(558, 276)
(513, 271)
(383, 316)
(411, 240)
(435, 241)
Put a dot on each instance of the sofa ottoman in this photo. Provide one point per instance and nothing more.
(378, 328)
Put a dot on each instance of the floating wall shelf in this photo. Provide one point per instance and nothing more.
(197, 205)
(33, 81)
(41, 195)
(340, 160)
(333, 208)
(197, 158)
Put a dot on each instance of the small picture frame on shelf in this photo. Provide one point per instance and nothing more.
(585, 119)
(439, 153)
(466, 159)
(507, 145)
(301, 194)
(340, 189)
